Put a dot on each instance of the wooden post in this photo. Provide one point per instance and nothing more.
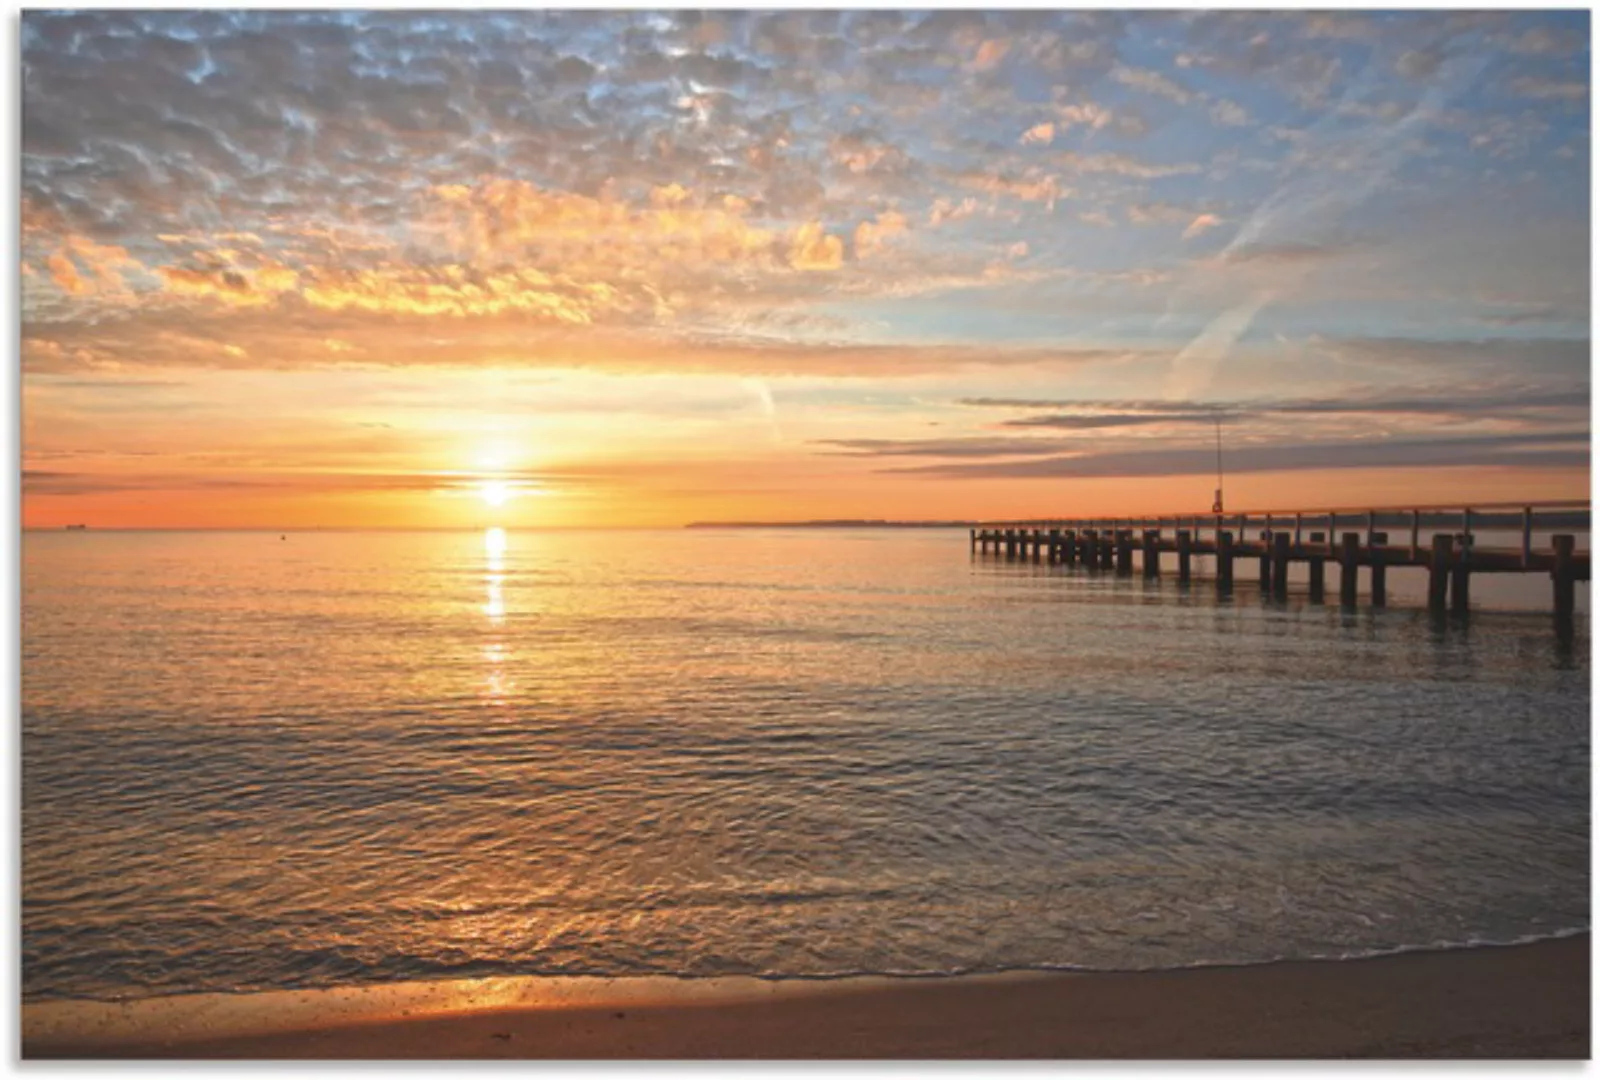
(1152, 553)
(1439, 569)
(1349, 562)
(1266, 559)
(1088, 549)
(1069, 547)
(1280, 565)
(1562, 575)
(1461, 574)
(1527, 537)
(1224, 560)
(1416, 525)
(1183, 556)
(1380, 567)
(1314, 563)
(1124, 552)
(1108, 550)
(1297, 530)
(972, 535)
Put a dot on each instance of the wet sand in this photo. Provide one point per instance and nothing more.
(1526, 1001)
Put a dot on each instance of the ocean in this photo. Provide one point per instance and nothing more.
(340, 759)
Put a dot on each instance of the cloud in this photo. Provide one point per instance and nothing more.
(872, 236)
(945, 211)
(1200, 224)
(813, 249)
(1039, 135)
(1530, 451)
(1151, 82)
(1542, 89)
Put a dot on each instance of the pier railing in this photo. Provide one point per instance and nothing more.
(1543, 538)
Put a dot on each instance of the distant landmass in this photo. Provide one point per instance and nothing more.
(842, 523)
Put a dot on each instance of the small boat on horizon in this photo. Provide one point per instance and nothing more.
(74, 528)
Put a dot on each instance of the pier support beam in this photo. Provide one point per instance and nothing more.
(1152, 553)
(1439, 569)
(1089, 548)
(1461, 577)
(1183, 556)
(1280, 565)
(1224, 561)
(1266, 560)
(1124, 552)
(1069, 547)
(1349, 563)
(1561, 577)
(1314, 565)
(1108, 551)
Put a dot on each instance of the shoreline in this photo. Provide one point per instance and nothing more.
(1494, 1001)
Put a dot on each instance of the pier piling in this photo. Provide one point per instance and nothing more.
(1314, 565)
(1439, 569)
(1224, 561)
(1562, 577)
(1349, 563)
(1461, 576)
(1183, 556)
(1152, 553)
(1124, 552)
(1380, 569)
(1280, 565)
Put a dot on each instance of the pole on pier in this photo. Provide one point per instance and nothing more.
(1461, 574)
(1108, 550)
(1280, 565)
(1224, 561)
(1314, 564)
(1266, 559)
(972, 535)
(1562, 576)
(1527, 537)
(1416, 525)
(1183, 556)
(1152, 553)
(1439, 569)
(1088, 548)
(1349, 562)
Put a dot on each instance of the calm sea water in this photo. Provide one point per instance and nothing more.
(337, 759)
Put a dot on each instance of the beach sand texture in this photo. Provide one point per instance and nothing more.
(1525, 1001)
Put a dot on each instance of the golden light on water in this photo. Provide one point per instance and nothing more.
(494, 545)
(494, 550)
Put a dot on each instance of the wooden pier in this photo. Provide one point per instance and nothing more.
(1442, 540)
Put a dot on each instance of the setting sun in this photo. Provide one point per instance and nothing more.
(495, 492)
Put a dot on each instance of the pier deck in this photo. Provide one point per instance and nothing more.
(1544, 540)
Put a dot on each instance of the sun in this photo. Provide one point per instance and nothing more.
(495, 492)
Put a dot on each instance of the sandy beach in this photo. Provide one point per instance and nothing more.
(1527, 1001)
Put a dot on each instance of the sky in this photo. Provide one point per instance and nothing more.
(289, 269)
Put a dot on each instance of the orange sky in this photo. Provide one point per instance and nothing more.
(611, 269)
